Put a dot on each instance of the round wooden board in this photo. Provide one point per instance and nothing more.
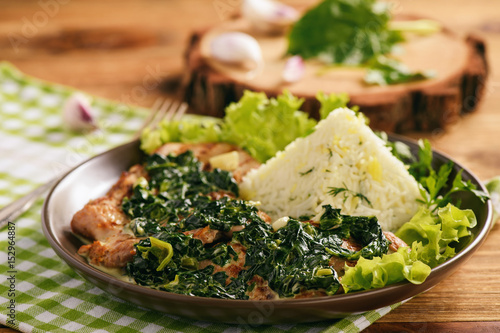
(459, 64)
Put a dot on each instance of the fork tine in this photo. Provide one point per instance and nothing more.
(162, 112)
(152, 116)
(163, 109)
(172, 111)
(176, 111)
(156, 106)
(180, 111)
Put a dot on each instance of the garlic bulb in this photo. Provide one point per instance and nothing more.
(294, 69)
(78, 114)
(269, 16)
(238, 49)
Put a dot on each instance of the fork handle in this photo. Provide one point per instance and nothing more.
(16, 208)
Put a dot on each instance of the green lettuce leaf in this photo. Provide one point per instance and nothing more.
(330, 102)
(430, 235)
(388, 269)
(190, 128)
(263, 126)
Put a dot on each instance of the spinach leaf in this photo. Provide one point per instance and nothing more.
(220, 215)
(288, 259)
(384, 71)
(365, 230)
(177, 184)
(348, 32)
(297, 256)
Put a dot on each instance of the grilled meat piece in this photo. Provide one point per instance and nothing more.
(396, 242)
(115, 252)
(260, 290)
(103, 217)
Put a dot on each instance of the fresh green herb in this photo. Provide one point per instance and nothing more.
(436, 189)
(358, 33)
(384, 71)
(420, 27)
(306, 172)
(334, 191)
(399, 149)
(343, 32)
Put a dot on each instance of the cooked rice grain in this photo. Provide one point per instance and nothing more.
(343, 155)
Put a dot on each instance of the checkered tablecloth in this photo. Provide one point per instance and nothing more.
(48, 296)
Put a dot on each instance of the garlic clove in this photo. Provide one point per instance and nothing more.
(280, 223)
(78, 114)
(294, 69)
(269, 16)
(237, 48)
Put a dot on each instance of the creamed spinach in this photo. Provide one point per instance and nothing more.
(177, 198)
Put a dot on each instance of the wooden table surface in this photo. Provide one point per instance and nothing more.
(131, 51)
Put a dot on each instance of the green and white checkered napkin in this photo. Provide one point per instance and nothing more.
(46, 293)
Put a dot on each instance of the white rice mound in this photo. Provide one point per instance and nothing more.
(343, 153)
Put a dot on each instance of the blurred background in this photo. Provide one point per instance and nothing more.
(110, 48)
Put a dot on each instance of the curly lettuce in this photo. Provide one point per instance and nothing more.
(261, 125)
(429, 236)
(382, 271)
(190, 128)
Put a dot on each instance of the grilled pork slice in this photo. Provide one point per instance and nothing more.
(115, 252)
(102, 221)
(396, 242)
(206, 235)
(103, 217)
(99, 219)
(261, 290)
(232, 268)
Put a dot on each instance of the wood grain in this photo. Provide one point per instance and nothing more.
(423, 105)
(128, 50)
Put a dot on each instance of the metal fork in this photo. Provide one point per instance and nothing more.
(162, 110)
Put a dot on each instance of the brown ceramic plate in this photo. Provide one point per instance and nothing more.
(94, 177)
